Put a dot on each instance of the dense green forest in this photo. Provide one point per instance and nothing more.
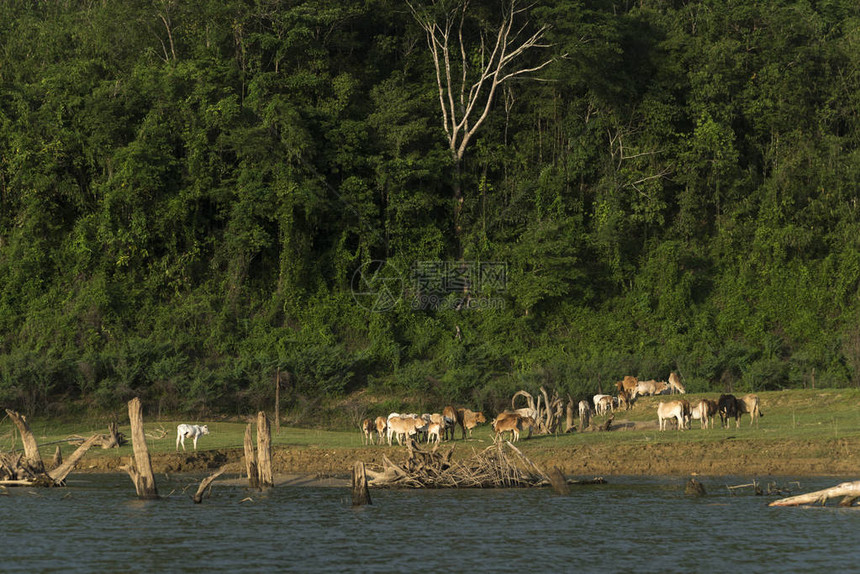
(197, 194)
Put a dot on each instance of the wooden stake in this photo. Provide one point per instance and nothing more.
(251, 459)
(140, 470)
(848, 490)
(264, 450)
(58, 458)
(360, 490)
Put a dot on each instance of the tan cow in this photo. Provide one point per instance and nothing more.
(672, 410)
(628, 384)
(513, 423)
(381, 424)
(675, 384)
(650, 388)
(602, 404)
(749, 404)
(402, 426)
(468, 419)
(584, 415)
(367, 429)
(705, 411)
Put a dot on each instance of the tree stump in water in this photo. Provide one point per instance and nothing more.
(251, 459)
(694, 488)
(558, 481)
(32, 458)
(140, 470)
(264, 450)
(360, 490)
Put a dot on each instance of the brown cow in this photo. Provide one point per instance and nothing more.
(513, 423)
(468, 419)
(367, 428)
(628, 384)
(727, 406)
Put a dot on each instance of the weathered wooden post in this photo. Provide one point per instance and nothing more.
(251, 459)
(140, 470)
(31, 448)
(58, 458)
(264, 450)
(569, 422)
(558, 481)
(360, 490)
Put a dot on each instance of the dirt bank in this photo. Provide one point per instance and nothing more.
(839, 457)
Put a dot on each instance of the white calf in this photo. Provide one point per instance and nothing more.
(672, 410)
(184, 431)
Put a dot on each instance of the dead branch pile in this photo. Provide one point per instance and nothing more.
(497, 466)
(27, 468)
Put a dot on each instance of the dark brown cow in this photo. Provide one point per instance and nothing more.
(727, 406)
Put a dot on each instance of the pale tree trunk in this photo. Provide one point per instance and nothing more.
(251, 459)
(140, 470)
(848, 491)
(264, 450)
(32, 457)
(467, 87)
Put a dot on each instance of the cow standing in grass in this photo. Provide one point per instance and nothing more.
(194, 432)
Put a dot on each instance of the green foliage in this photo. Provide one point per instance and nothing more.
(185, 202)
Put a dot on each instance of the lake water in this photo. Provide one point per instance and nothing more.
(631, 524)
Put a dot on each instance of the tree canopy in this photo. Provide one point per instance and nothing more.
(196, 195)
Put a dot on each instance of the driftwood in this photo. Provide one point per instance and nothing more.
(28, 469)
(500, 465)
(848, 491)
(140, 469)
(113, 438)
(204, 484)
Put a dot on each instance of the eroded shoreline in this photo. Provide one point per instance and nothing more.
(836, 457)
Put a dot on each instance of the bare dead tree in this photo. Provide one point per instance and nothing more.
(468, 86)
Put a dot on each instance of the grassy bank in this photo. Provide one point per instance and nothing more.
(802, 432)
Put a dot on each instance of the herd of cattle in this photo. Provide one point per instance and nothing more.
(680, 413)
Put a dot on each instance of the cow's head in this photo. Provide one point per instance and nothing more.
(204, 429)
(480, 417)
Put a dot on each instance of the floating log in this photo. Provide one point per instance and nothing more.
(264, 450)
(360, 490)
(251, 459)
(848, 491)
(204, 484)
(140, 469)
